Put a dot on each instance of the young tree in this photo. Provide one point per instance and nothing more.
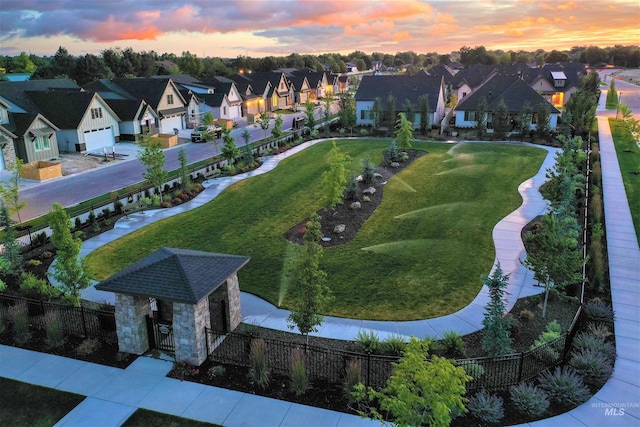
(276, 132)
(612, 95)
(264, 122)
(481, 119)
(524, 120)
(210, 136)
(246, 136)
(389, 119)
(542, 127)
(185, 176)
(327, 114)
(153, 158)
(423, 105)
(409, 111)
(230, 150)
(582, 106)
(347, 112)
(309, 290)
(334, 180)
(10, 191)
(404, 132)
(501, 120)
(310, 119)
(377, 112)
(496, 338)
(423, 390)
(11, 248)
(68, 270)
(554, 254)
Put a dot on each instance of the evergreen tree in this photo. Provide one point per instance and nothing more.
(542, 127)
(230, 150)
(276, 132)
(153, 158)
(404, 132)
(185, 176)
(496, 335)
(11, 248)
(347, 112)
(310, 119)
(524, 121)
(481, 119)
(69, 271)
(501, 120)
(423, 104)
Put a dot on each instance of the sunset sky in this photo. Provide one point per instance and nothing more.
(260, 28)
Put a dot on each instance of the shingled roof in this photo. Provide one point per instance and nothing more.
(178, 275)
(401, 87)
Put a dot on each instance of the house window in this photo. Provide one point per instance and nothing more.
(42, 143)
(96, 113)
(469, 116)
(365, 114)
(558, 83)
(224, 111)
(464, 94)
(169, 99)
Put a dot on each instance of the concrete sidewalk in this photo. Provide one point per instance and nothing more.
(114, 394)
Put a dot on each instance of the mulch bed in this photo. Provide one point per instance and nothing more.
(353, 219)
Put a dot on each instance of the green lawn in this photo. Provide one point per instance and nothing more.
(629, 159)
(29, 405)
(146, 418)
(420, 255)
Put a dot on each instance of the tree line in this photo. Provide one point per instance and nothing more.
(117, 62)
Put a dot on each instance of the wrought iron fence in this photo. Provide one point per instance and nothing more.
(330, 364)
(76, 321)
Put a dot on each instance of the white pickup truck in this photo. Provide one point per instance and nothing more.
(198, 134)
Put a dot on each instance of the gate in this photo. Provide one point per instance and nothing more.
(160, 334)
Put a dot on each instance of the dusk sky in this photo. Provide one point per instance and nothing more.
(260, 28)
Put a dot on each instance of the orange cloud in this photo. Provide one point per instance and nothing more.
(110, 30)
(402, 35)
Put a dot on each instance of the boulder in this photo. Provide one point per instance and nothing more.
(377, 175)
(369, 191)
(339, 228)
(356, 205)
(395, 165)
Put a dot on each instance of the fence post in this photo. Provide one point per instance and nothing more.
(521, 366)
(84, 323)
(368, 369)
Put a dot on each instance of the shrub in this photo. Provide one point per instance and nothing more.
(92, 218)
(299, 377)
(393, 345)
(156, 200)
(594, 368)
(78, 223)
(474, 370)
(453, 344)
(106, 213)
(364, 132)
(598, 311)
(34, 262)
(588, 341)
(53, 329)
(259, 373)
(19, 317)
(526, 315)
(352, 190)
(352, 377)
(486, 408)
(95, 227)
(88, 346)
(368, 172)
(117, 207)
(564, 387)
(367, 341)
(38, 288)
(2, 326)
(215, 371)
(528, 400)
(599, 329)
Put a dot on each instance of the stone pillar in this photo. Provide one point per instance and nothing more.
(189, 322)
(131, 323)
(233, 295)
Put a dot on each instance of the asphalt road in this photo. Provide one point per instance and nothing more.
(73, 189)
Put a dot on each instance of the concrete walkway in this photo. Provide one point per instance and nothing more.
(114, 394)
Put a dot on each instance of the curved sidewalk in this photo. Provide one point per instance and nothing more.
(256, 311)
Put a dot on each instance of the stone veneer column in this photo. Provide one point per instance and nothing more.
(233, 295)
(131, 323)
(189, 322)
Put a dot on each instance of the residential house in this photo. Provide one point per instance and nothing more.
(351, 67)
(318, 83)
(137, 118)
(81, 121)
(223, 99)
(253, 102)
(161, 94)
(273, 86)
(402, 88)
(511, 90)
(7, 137)
(301, 89)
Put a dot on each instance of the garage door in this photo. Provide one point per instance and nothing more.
(96, 140)
(168, 124)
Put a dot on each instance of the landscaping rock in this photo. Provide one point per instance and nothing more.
(356, 205)
(339, 228)
(395, 165)
(368, 191)
(366, 199)
(377, 175)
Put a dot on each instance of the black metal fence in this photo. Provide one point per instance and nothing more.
(76, 321)
(330, 364)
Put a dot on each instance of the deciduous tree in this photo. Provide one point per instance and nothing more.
(153, 158)
(10, 190)
(334, 180)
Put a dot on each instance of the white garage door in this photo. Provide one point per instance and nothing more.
(168, 124)
(95, 141)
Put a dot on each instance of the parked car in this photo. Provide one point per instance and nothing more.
(198, 135)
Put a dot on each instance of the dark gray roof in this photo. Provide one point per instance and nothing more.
(179, 275)
(401, 87)
(16, 92)
(126, 109)
(511, 89)
(64, 109)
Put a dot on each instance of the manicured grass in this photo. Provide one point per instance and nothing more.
(629, 159)
(420, 255)
(29, 405)
(146, 418)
